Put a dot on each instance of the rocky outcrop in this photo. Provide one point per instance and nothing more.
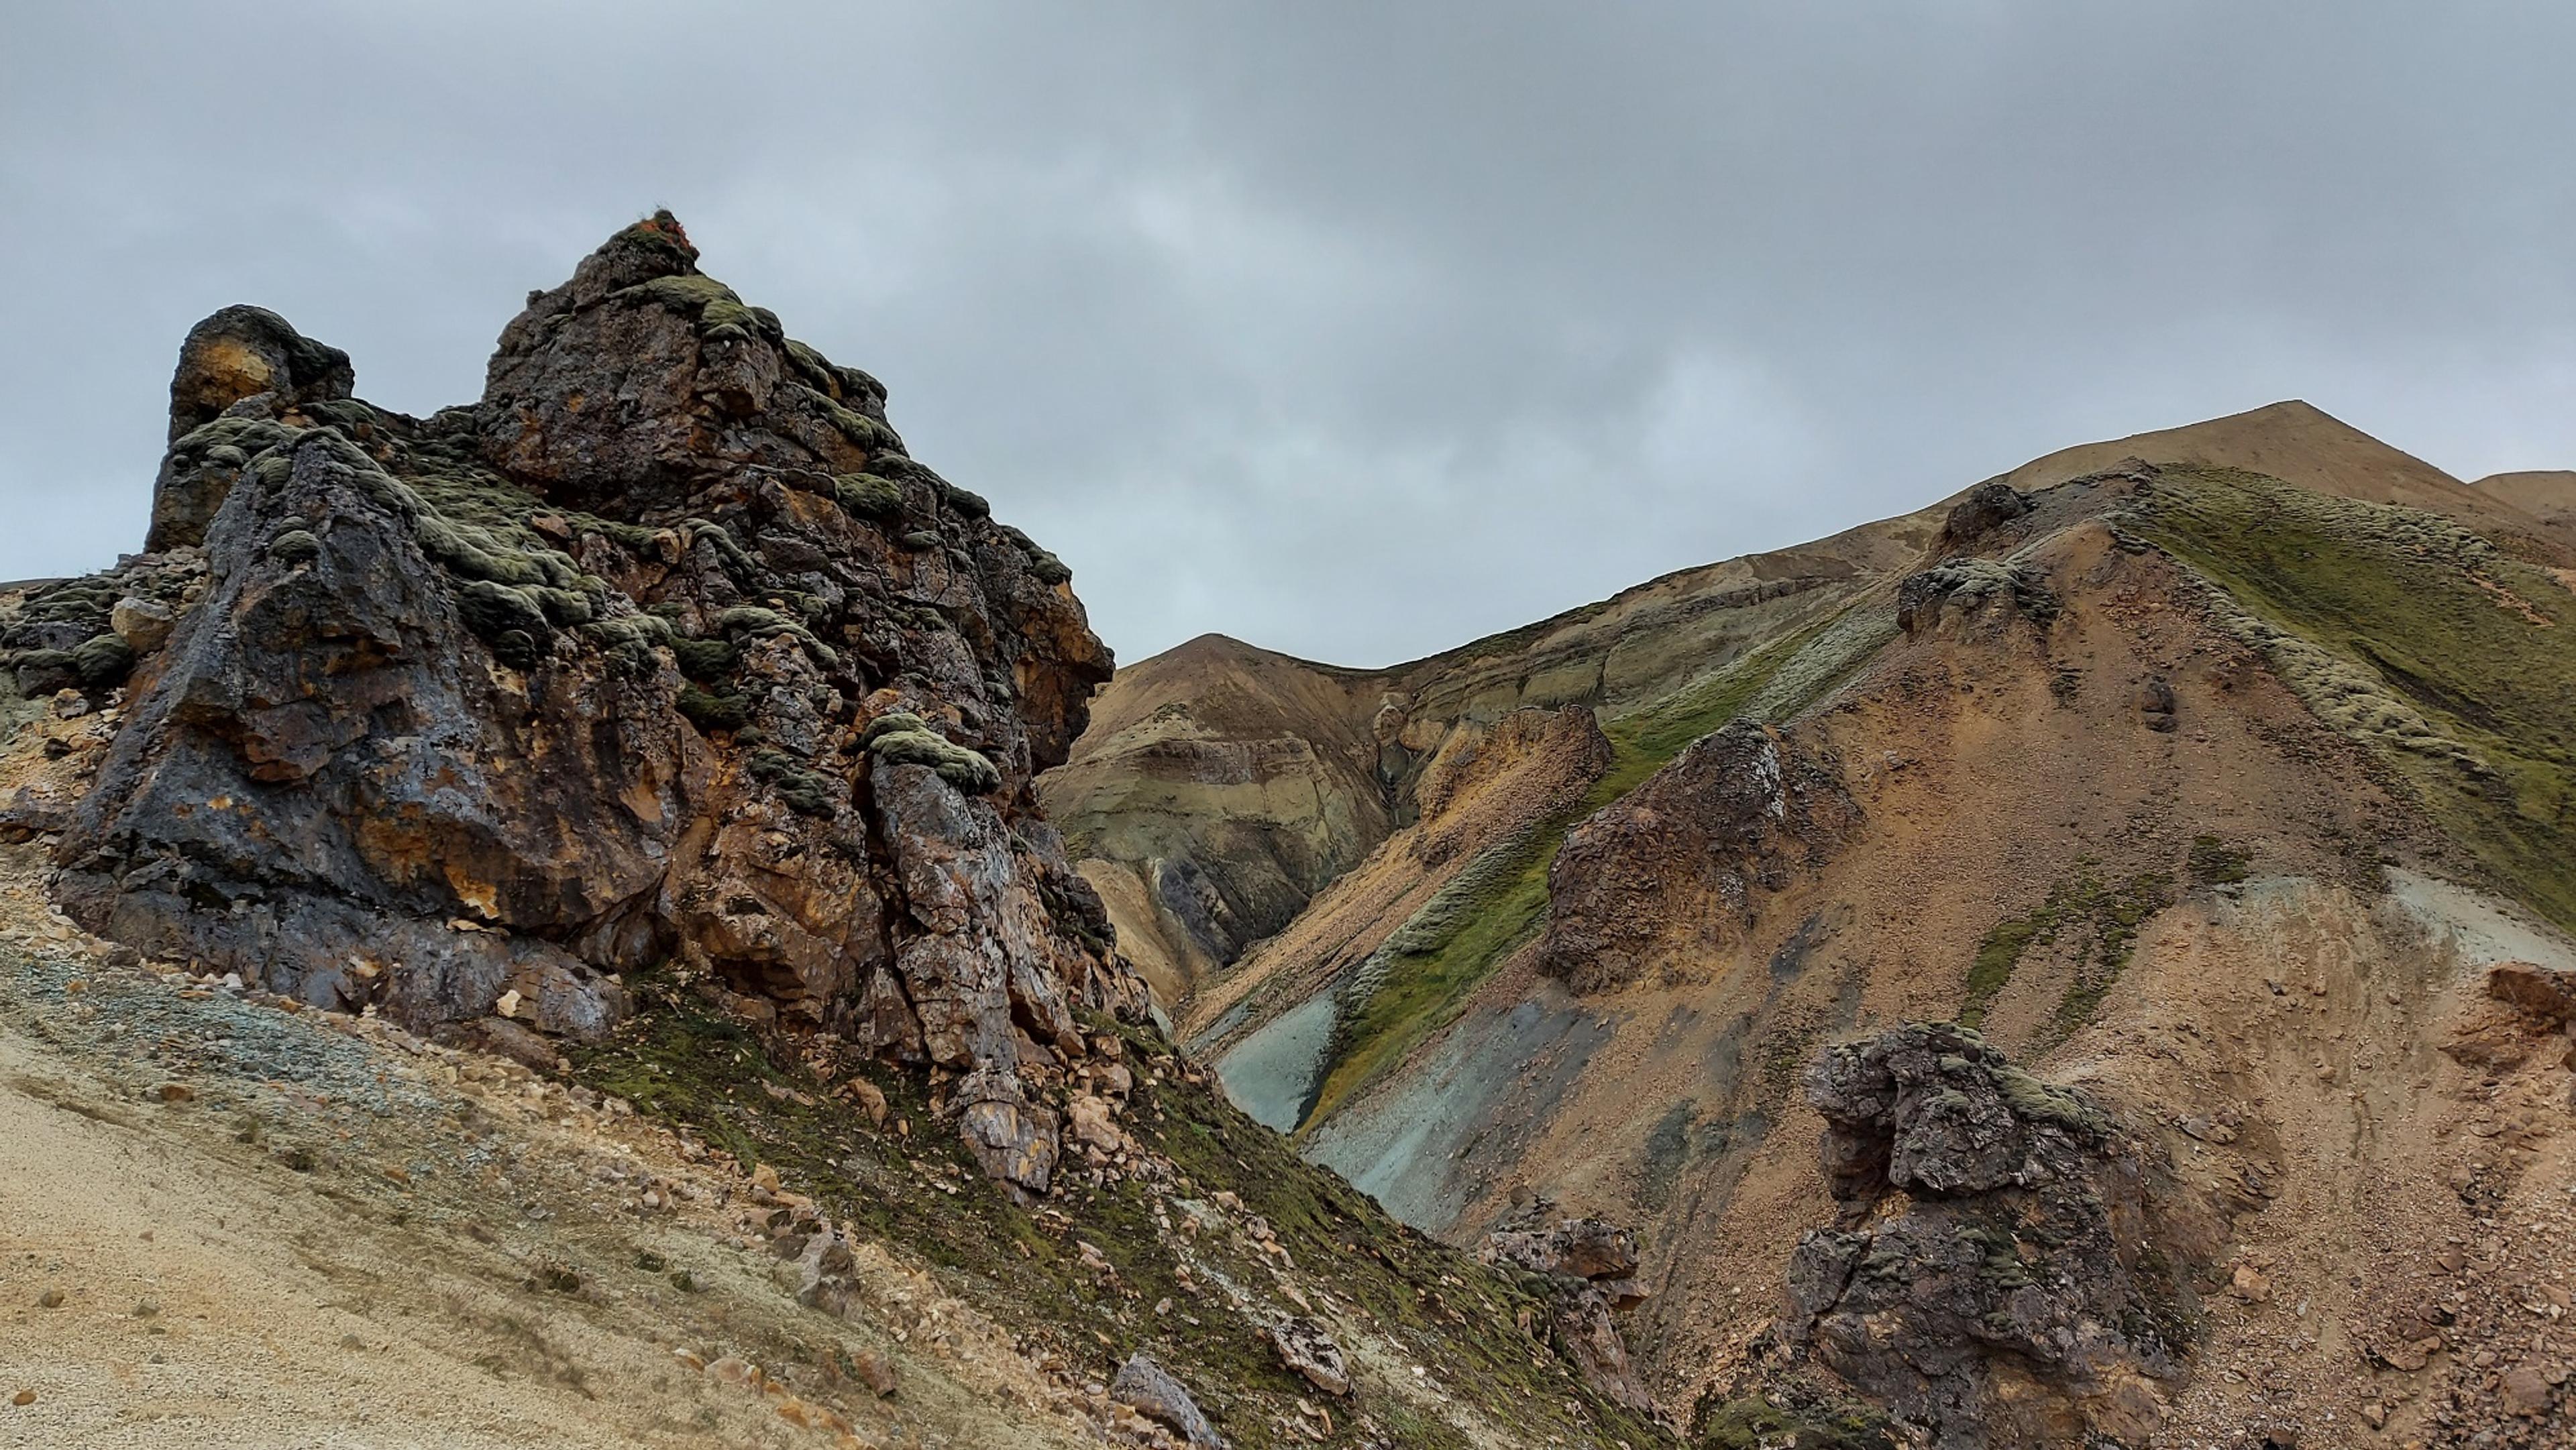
(1683, 860)
(1590, 1267)
(1977, 597)
(663, 655)
(2000, 1275)
(242, 357)
(1988, 507)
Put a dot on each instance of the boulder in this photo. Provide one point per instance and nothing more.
(2548, 993)
(1975, 598)
(1144, 1386)
(1304, 1347)
(1575, 1248)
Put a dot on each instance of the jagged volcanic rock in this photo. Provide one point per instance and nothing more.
(664, 653)
(2001, 1275)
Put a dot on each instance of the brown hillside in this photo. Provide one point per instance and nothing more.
(2211, 783)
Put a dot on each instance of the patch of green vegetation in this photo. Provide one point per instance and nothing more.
(1793, 1420)
(1499, 901)
(806, 792)
(2449, 657)
(907, 739)
(2215, 863)
(710, 711)
(868, 495)
(2102, 916)
(912, 1185)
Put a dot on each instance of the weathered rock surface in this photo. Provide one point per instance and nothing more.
(1305, 1348)
(2000, 1274)
(1589, 1263)
(1147, 1388)
(241, 355)
(664, 653)
(1988, 507)
(1979, 597)
(2545, 992)
(1688, 853)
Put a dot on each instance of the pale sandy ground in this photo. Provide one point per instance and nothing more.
(212, 1294)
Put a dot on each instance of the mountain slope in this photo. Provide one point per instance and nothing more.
(2209, 770)
(644, 749)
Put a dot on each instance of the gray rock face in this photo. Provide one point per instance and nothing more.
(1145, 1387)
(629, 667)
(2001, 1275)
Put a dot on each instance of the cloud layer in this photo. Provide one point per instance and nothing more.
(1352, 329)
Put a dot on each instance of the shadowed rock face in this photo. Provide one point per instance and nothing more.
(662, 654)
(2001, 1273)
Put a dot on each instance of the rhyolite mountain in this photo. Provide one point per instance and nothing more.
(2085, 963)
(658, 721)
(2047, 965)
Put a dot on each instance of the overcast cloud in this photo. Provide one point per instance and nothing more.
(1352, 329)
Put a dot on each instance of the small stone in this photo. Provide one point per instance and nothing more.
(2526, 1391)
(176, 1092)
(870, 1098)
(508, 1006)
(23, 1398)
(764, 1177)
(689, 1359)
(50, 1299)
(2249, 1285)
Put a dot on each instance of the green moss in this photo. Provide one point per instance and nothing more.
(2447, 656)
(907, 739)
(1788, 1421)
(752, 619)
(295, 546)
(102, 660)
(2215, 863)
(705, 660)
(711, 302)
(681, 1064)
(806, 792)
(507, 619)
(868, 495)
(2103, 916)
(711, 712)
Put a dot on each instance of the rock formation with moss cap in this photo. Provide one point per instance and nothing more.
(664, 656)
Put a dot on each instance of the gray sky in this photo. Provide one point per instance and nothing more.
(1352, 329)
